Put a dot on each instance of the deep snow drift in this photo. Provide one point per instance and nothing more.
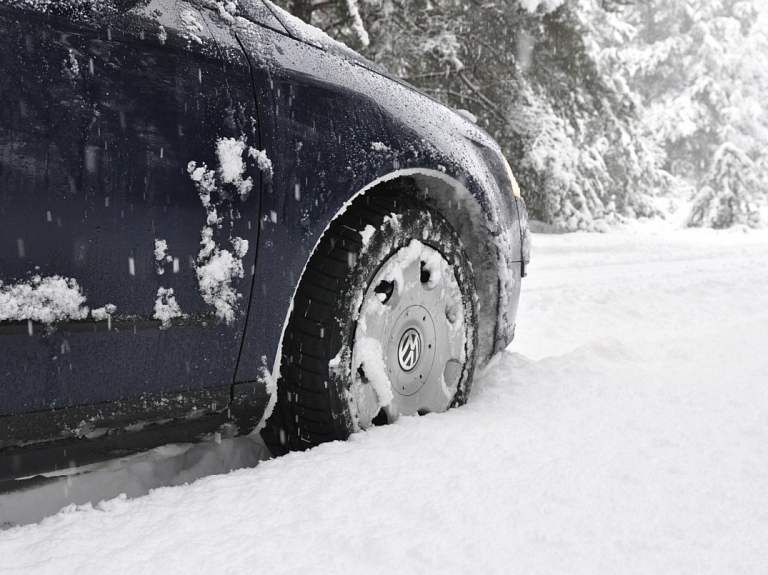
(625, 430)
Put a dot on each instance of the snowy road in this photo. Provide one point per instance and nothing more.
(625, 431)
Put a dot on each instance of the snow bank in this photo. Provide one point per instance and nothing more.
(627, 433)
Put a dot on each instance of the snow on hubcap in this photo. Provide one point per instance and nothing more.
(410, 339)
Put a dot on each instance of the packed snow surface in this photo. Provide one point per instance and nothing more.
(624, 431)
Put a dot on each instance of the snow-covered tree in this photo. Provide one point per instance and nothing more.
(339, 18)
(701, 68)
(535, 75)
(726, 195)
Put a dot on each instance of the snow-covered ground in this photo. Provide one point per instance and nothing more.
(624, 431)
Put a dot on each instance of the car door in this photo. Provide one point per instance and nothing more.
(319, 132)
(129, 205)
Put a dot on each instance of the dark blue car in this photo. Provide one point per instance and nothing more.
(214, 218)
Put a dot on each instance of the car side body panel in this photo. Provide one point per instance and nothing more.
(98, 126)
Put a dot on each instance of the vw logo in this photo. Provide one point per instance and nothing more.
(409, 350)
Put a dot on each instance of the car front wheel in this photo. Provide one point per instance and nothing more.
(384, 324)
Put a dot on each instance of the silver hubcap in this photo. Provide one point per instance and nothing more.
(410, 340)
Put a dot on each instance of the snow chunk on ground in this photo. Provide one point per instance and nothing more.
(166, 307)
(45, 300)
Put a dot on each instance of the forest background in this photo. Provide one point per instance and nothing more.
(608, 110)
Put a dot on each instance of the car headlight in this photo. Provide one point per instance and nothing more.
(515, 187)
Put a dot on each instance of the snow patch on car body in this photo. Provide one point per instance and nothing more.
(42, 299)
(161, 256)
(104, 313)
(191, 26)
(231, 165)
(166, 307)
(216, 270)
(302, 31)
(217, 267)
(270, 383)
(262, 161)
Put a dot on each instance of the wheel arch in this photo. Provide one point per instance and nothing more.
(478, 221)
(472, 223)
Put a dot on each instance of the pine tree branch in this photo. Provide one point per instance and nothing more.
(335, 25)
(492, 110)
(489, 103)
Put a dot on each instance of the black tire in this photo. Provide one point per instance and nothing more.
(313, 399)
